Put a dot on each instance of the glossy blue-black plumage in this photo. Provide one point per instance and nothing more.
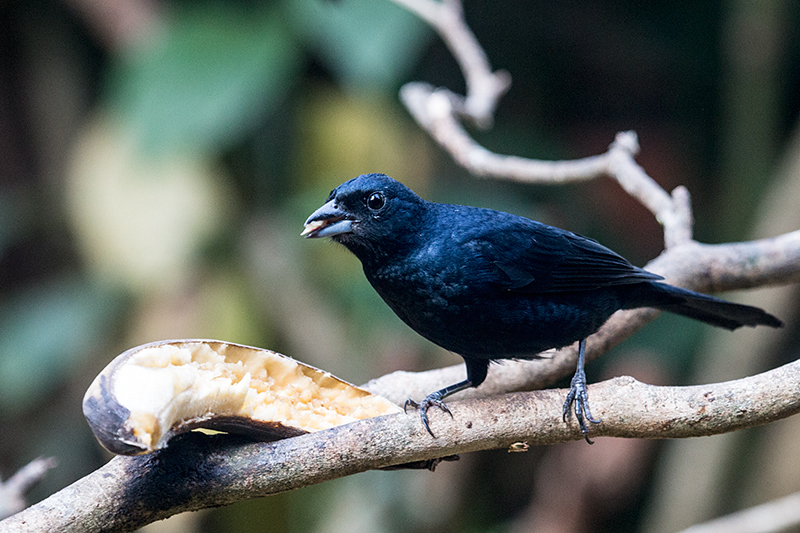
(491, 285)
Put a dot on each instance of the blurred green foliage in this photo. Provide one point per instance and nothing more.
(367, 45)
(205, 77)
(155, 187)
(47, 331)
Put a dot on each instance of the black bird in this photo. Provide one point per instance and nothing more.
(490, 285)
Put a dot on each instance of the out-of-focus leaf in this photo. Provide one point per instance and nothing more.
(44, 331)
(206, 77)
(341, 136)
(218, 305)
(141, 221)
(366, 43)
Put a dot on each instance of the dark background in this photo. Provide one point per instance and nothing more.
(158, 159)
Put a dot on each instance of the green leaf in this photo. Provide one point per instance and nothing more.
(45, 331)
(366, 43)
(206, 78)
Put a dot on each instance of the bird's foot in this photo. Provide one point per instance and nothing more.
(431, 400)
(580, 397)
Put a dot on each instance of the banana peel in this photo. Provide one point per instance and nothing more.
(151, 393)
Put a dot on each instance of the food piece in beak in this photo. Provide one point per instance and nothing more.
(313, 226)
(327, 227)
(327, 221)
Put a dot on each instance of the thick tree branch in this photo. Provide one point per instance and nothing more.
(202, 471)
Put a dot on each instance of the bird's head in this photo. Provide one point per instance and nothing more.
(371, 215)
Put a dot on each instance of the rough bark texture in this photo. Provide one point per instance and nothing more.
(201, 471)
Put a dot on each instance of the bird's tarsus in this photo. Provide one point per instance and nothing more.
(431, 400)
(579, 395)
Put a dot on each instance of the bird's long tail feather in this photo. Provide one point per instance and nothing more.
(709, 309)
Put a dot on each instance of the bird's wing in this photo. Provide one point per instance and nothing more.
(539, 258)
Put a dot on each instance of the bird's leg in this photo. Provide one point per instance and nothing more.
(476, 374)
(435, 400)
(579, 395)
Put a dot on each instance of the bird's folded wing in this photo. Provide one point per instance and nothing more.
(545, 259)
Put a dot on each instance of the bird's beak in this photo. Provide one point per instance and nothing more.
(327, 221)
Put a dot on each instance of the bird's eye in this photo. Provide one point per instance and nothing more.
(376, 200)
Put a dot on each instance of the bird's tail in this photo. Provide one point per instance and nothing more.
(707, 308)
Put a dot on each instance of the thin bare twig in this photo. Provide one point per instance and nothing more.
(438, 111)
(484, 87)
(778, 515)
(13, 490)
(434, 111)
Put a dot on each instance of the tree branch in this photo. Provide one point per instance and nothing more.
(484, 87)
(12, 490)
(202, 471)
(437, 112)
(434, 111)
(777, 515)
